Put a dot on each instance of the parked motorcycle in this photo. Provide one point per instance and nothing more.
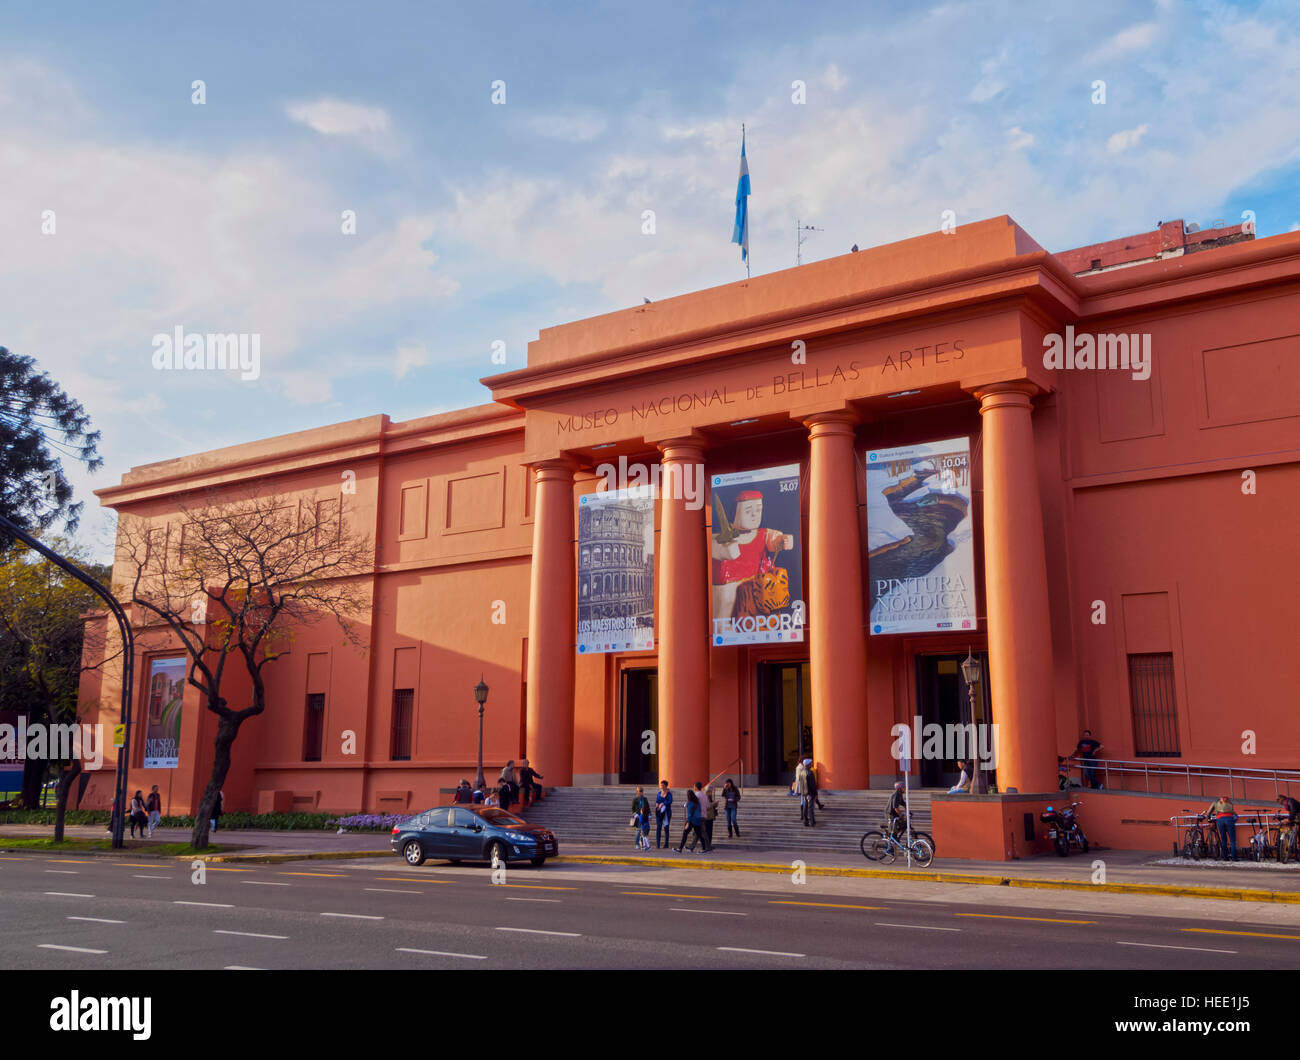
(1063, 829)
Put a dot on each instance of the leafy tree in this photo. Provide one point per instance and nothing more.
(235, 580)
(39, 426)
(45, 647)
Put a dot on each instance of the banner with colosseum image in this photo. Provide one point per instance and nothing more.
(162, 719)
(921, 552)
(755, 558)
(616, 534)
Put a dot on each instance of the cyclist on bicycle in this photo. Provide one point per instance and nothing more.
(897, 811)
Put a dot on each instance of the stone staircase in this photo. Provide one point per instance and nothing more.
(768, 818)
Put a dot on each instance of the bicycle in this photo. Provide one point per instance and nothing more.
(1288, 846)
(1200, 844)
(883, 846)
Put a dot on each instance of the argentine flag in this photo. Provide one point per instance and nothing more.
(740, 233)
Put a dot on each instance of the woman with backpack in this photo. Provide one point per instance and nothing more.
(138, 815)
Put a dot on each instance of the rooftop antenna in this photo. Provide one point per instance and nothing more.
(799, 237)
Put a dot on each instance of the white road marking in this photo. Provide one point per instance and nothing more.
(97, 919)
(391, 890)
(538, 931)
(354, 916)
(442, 953)
(917, 927)
(766, 953)
(64, 872)
(66, 894)
(714, 912)
(247, 934)
(508, 899)
(141, 876)
(1155, 946)
(70, 949)
(210, 905)
(242, 968)
(267, 883)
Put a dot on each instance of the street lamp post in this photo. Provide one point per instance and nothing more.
(970, 672)
(480, 697)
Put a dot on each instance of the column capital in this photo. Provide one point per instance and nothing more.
(1013, 394)
(555, 467)
(688, 447)
(839, 421)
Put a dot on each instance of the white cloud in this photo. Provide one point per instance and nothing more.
(833, 79)
(570, 126)
(1133, 39)
(409, 355)
(336, 117)
(990, 84)
(1126, 138)
(1018, 138)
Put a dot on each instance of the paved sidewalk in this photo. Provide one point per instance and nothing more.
(1125, 870)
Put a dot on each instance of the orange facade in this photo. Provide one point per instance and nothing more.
(1130, 534)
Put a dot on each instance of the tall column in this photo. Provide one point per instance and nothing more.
(552, 624)
(683, 621)
(837, 649)
(1015, 586)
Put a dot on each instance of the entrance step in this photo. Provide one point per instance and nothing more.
(768, 817)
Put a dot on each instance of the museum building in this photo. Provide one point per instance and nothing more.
(1103, 529)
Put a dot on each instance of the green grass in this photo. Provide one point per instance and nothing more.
(88, 845)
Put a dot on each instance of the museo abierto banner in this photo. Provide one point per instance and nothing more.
(754, 548)
(616, 537)
(921, 558)
(162, 717)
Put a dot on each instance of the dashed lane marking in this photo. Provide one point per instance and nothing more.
(443, 953)
(267, 883)
(408, 879)
(67, 894)
(539, 931)
(70, 949)
(247, 934)
(64, 872)
(828, 905)
(336, 874)
(666, 894)
(536, 887)
(210, 905)
(354, 916)
(142, 876)
(1156, 946)
(391, 890)
(1036, 919)
(918, 927)
(97, 919)
(1248, 934)
(512, 898)
(708, 912)
(765, 953)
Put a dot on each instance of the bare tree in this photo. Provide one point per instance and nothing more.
(237, 578)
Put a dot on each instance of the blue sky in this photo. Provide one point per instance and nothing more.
(478, 222)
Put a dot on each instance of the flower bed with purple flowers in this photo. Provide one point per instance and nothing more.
(372, 821)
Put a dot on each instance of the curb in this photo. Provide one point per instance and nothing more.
(275, 859)
(975, 879)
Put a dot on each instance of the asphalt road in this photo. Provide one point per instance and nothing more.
(108, 913)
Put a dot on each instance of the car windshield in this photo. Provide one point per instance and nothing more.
(496, 815)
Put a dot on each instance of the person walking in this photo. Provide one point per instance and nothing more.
(529, 791)
(153, 806)
(731, 802)
(641, 818)
(693, 819)
(1087, 749)
(663, 814)
(510, 784)
(478, 794)
(810, 799)
(217, 807)
(709, 806)
(801, 788)
(138, 816)
(1224, 815)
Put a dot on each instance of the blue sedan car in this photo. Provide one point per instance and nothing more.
(472, 833)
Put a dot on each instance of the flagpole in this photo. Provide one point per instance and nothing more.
(742, 141)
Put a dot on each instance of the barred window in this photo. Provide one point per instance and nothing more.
(314, 730)
(1155, 712)
(403, 708)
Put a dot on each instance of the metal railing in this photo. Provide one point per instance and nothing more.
(1174, 779)
(718, 775)
(1252, 820)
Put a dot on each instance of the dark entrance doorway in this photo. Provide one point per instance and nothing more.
(943, 698)
(784, 700)
(638, 722)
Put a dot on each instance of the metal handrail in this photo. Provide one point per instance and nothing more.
(1122, 767)
(737, 760)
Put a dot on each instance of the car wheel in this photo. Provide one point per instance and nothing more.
(538, 862)
(496, 852)
(413, 852)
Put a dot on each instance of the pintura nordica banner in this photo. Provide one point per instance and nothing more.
(921, 562)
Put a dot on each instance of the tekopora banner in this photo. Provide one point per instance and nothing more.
(616, 535)
(921, 562)
(756, 568)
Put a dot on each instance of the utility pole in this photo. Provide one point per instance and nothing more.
(799, 237)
